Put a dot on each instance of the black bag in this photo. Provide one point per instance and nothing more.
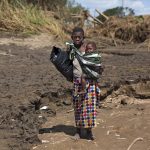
(62, 62)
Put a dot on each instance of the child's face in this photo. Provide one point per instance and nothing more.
(77, 38)
(89, 48)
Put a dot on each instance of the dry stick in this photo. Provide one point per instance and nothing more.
(145, 44)
(112, 36)
(106, 42)
(95, 19)
(76, 16)
(71, 110)
(102, 14)
(137, 139)
(108, 39)
(2, 121)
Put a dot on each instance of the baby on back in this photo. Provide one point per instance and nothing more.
(90, 47)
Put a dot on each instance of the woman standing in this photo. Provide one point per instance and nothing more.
(85, 103)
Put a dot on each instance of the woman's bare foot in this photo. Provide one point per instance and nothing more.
(90, 135)
(77, 135)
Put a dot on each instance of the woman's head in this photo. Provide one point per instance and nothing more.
(77, 36)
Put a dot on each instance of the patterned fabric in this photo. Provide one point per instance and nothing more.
(89, 62)
(85, 104)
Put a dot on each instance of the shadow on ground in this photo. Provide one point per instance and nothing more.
(67, 129)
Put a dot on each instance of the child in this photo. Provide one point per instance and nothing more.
(90, 47)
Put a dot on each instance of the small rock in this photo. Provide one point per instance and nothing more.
(66, 102)
(123, 102)
(44, 108)
(45, 141)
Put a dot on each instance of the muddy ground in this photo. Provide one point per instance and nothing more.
(29, 81)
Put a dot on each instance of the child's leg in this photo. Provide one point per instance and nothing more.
(83, 86)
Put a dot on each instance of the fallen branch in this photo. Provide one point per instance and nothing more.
(76, 16)
(95, 19)
(2, 121)
(112, 36)
(137, 139)
(102, 14)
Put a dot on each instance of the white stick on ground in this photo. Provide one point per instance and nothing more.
(137, 139)
(71, 110)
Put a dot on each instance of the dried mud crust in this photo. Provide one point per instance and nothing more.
(28, 81)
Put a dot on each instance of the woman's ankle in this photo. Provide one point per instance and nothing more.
(90, 134)
(78, 130)
(89, 130)
(77, 134)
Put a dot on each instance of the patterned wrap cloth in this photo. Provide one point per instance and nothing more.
(85, 104)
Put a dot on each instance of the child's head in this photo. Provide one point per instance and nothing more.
(77, 36)
(90, 47)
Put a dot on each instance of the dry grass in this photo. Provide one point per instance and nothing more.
(27, 19)
(120, 31)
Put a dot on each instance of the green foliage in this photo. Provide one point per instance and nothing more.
(15, 3)
(117, 11)
(74, 7)
(49, 4)
(129, 11)
(44, 4)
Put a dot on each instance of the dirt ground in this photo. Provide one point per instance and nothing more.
(29, 81)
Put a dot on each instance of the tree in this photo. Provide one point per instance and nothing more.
(129, 11)
(117, 11)
(74, 7)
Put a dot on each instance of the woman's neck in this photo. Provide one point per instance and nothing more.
(77, 46)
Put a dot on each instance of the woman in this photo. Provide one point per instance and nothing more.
(84, 104)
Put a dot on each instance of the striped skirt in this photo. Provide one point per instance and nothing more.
(85, 104)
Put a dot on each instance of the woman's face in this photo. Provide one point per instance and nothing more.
(77, 38)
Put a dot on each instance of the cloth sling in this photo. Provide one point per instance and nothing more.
(90, 62)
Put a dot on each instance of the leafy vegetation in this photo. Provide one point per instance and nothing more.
(118, 11)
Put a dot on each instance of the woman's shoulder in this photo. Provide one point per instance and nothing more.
(83, 47)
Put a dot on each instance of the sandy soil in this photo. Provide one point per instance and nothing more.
(29, 81)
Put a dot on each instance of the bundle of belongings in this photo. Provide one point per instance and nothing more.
(90, 62)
